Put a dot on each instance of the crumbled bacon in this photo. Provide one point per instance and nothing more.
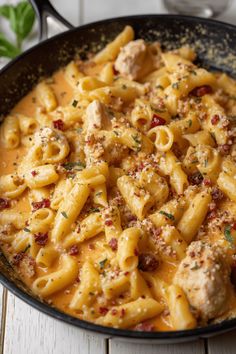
(103, 310)
(144, 327)
(17, 258)
(136, 252)
(73, 251)
(206, 182)
(212, 214)
(113, 244)
(224, 149)
(41, 238)
(114, 312)
(4, 203)
(157, 120)
(59, 124)
(215, 119)
(148, 262)
(44, 203)
(217, 194)
(195, 178)
(34, 173)
(108, 222)
(201, 90)
(234, 226)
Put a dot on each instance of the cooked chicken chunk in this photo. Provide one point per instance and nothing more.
(205, 278)
(131, 58)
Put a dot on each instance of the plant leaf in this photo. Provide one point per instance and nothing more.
(7, 49)
(5, 11)
(25, 19)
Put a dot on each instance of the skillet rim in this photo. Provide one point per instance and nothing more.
(163, 336)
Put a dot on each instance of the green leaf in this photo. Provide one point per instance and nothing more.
(228, 236)
(25, 17)
(7, 49)
(168, 215)
(63, 213)
(102, 263)
(72, 165)
(5, 11)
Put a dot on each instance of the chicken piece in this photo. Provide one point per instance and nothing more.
(94, 114)
(130, 61)
(204, 276)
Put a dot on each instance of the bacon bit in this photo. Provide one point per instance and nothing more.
(44, 203)
(140, 167)
(212, 215)
(156, 232)
(192, 254)
(142, 121)
(108, 222)
(78, 229)
(103, 310)
(122, 313)
(73, 251)
(59, 124)
(17, 258)
(144, 327)
(41, 238)
(113, 244)
(157, 120)
(148, 262)
(136, 252)
(207, 182)
(4, 203)
(196, 178)
(78, 279)
(215, 119)
(126, 273)
(34, 173)
(234, 226)
(201, 91)
(217, 194)
(224, 149)
(114, 312)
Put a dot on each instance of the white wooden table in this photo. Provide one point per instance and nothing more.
(24, 330)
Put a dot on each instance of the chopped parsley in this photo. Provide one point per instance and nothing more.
(228, 236)
(63, 213)
(175, 85)
(98, 194)
(193, 72)
(74, 165)
(137, 141)
(26, 248)
(79, 130)
(195, 267)
(116, 133)
(74, 103)
(168, 215)
(205, 162)
(190, 122)
(94, 210)
(102, 263)
(124, 87)
(26, 229)
(160, 87)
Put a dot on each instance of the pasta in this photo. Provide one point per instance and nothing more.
(118, 188)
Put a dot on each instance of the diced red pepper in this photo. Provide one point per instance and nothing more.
(113, 244)
(44, 203)
(41, 238)
(59, 124)
(157, 120)
(4, 203)
(215, 119)
(201, 90)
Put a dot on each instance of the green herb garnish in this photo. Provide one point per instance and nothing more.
(26, 229)
(74, 103)
(168, 215)
(228, 236)
(190, 122)
(137, 142)
(26, 248)
(63, 213)
(21, 18)
(195, 267)
(94, 210)
(74, 165)
(102, 263)
(175, 85)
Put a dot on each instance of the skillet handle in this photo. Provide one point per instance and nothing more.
(43, 10)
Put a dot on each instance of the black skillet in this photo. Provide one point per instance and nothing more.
(215, 43)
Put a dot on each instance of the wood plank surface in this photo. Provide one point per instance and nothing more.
(196, 347)
(28, 331)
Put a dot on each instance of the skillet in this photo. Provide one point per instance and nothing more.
(215, 43)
